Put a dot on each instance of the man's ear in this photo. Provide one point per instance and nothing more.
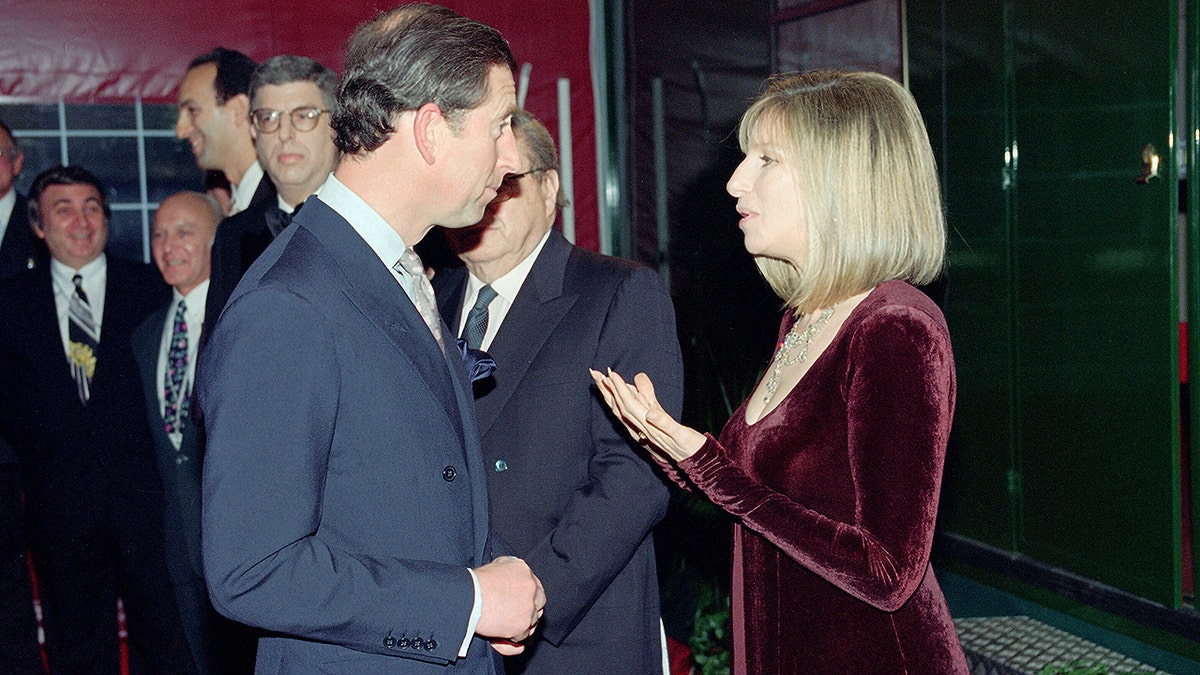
(37, 229)
(429, 127)
(549, 188)
(239, 109)
(18, 162)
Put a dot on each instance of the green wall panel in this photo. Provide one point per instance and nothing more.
(1062, 300)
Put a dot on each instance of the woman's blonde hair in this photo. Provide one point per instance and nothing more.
(867, 179)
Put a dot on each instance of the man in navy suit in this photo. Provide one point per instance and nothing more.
(570, 493)
(68, 404)
(165, 346)
(18, 251)
(344, 496)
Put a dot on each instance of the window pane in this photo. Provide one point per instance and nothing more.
(170, 167)
(40, 154)
(96, 116)
(113, 160)
(20, 116)
(158, 116)
(125, 235)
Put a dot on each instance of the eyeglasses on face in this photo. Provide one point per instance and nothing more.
(303, 119)
(511, 185)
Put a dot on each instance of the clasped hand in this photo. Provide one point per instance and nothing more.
(638, 409)
(512, 600)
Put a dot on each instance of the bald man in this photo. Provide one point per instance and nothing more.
(165, 346)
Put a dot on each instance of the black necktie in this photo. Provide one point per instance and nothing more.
(477, 320)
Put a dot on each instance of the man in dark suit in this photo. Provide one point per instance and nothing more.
(214, 118)
(344, 498)
(19, 250)
(165, 346)
(569, 492)
(68, 396)
(290, 98)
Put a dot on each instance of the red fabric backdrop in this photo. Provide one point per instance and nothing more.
(115, 50)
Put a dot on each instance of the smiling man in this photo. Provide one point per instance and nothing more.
(165, 346)
(68, 404)
(345, 504)
(290, 102)
(214, 118)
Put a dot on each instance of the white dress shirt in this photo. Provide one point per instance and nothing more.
(506, 288)
(7, 202)
(94, 275)
(194, 318)
(389, 246)
(241, 194)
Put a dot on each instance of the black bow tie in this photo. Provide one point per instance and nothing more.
(278, 219)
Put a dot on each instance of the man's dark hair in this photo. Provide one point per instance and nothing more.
(63, 175)
(405, 58)
(233, 72)
(285, 69)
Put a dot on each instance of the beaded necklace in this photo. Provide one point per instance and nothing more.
(783, 355)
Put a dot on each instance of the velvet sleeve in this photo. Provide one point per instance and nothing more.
(898, 387)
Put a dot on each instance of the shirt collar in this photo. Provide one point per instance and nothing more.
(369, 225)
(510, 284)
(64, 276)
(243, 192)
(194, 299)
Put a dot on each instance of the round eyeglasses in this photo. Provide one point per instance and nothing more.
(303, 119)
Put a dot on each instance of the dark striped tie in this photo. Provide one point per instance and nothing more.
(477, 320)
(84, 338)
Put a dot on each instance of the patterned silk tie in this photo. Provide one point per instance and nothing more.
(423, 296)
(477, 320)
(175, 401)
(84, 338)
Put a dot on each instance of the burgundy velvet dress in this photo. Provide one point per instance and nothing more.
(836, 493)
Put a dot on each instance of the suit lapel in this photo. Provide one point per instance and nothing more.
(373, 290)
(533, 317)
(47, 346)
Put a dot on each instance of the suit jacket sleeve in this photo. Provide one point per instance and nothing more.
(899, 393)
(610, 517)
(270, 401)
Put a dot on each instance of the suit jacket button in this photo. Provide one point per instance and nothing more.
(501, 466)
(403, 643)
(389, 642)
(430, 645)
(418, 643)
(448, 474)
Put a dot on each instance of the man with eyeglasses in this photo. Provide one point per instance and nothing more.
(214, 107)
(290, 101)
(570, 492)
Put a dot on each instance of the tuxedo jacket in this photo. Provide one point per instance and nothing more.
(569, 491)
(20, 249)
(238, 242)
(60, 441)
(343, 488)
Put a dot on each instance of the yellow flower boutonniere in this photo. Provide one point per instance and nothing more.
(83, 356)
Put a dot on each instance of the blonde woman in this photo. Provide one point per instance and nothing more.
(833, 466)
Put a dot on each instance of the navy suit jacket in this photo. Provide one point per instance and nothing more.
(179, 469)
(570, 492)
(343, 492)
